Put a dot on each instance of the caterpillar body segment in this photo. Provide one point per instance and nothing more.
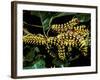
(61, 52)
(34, 39)
(84, 46)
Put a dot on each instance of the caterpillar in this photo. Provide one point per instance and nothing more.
(61, 52)
(60, 28)
(69, 35)
(84, 46)
(34, 39)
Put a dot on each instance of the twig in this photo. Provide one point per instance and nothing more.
(49, 26)
(32, 25)
(43, 25)
(26, 31)
(76, 57)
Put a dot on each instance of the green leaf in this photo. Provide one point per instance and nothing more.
(83, 17)
(35, 13)
(39, 64)
(36, 49)
(31, 54)
(61, 14)
(57, 62)
(47, 17)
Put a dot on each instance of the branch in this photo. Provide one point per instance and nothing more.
(26, 31)
(76, 57)
(32, 25)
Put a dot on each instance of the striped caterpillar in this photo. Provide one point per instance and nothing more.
(69, 35)
(34, 39)
(60, 28)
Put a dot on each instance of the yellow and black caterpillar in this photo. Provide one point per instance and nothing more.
(34, 39)
(69, 35)
(60, 28)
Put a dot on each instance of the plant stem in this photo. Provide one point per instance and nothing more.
(42, 25)
(26, 31)
(32, 25)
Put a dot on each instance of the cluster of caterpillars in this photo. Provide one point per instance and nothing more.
(68, 35)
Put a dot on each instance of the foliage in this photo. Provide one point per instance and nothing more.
(36, 56)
